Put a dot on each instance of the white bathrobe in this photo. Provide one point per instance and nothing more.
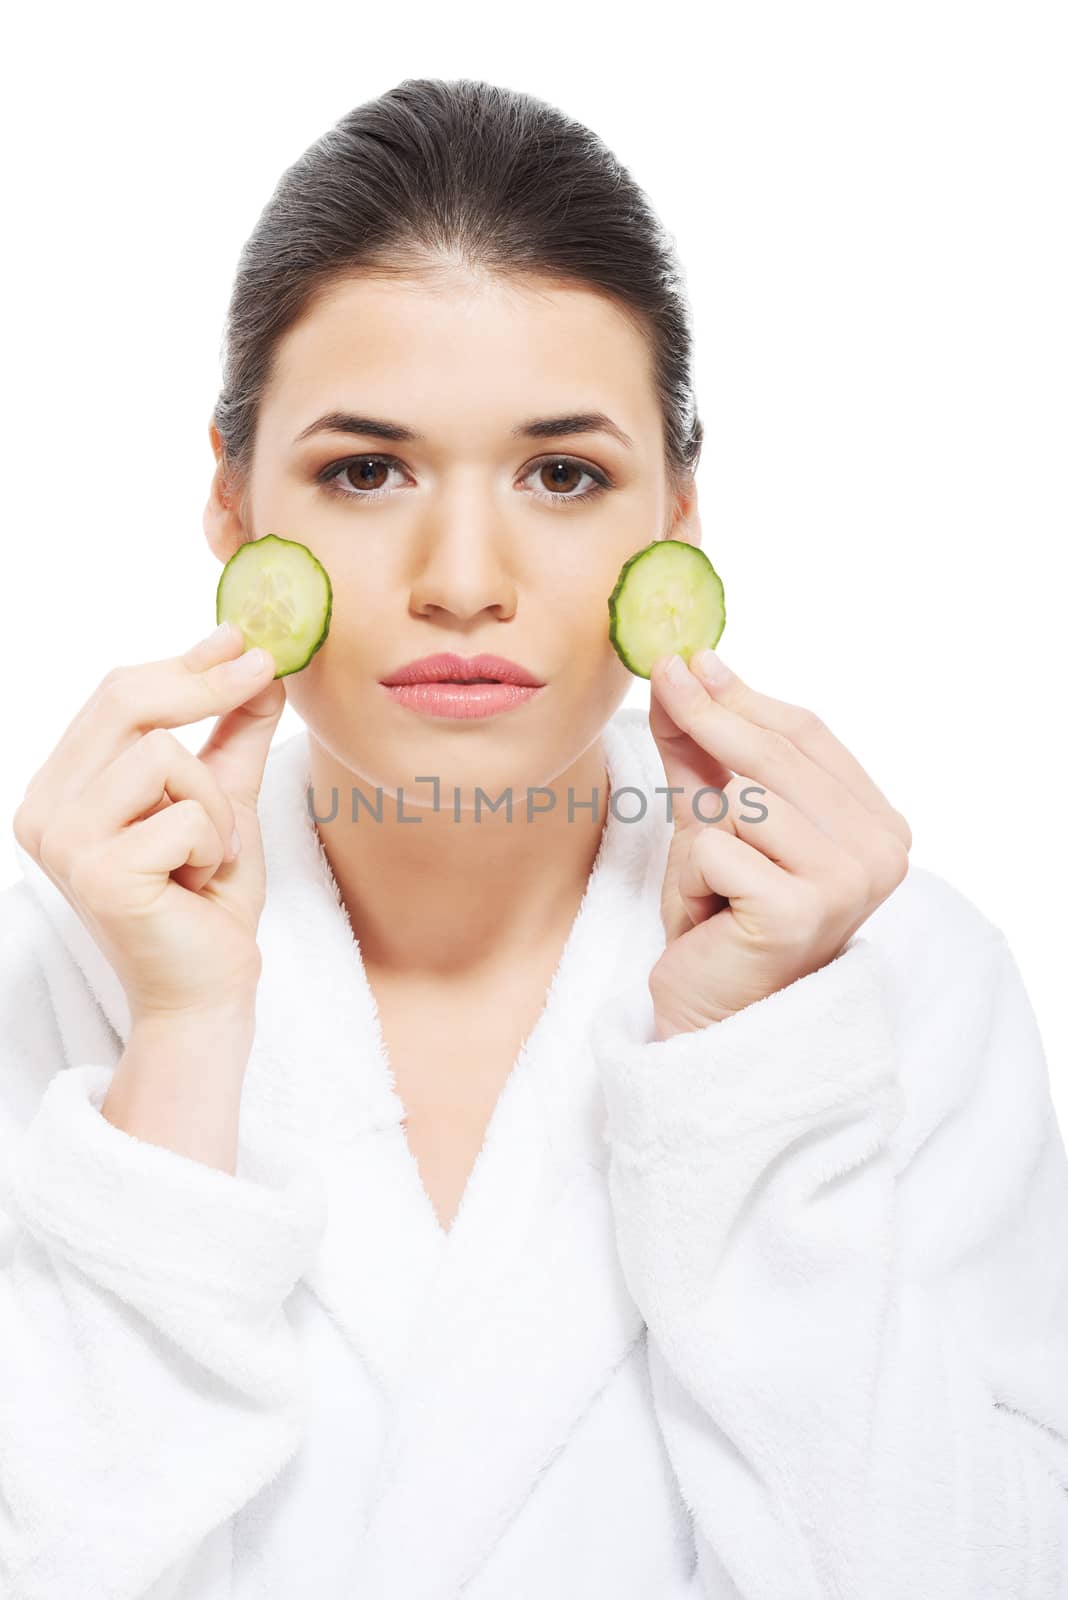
(777, 1310)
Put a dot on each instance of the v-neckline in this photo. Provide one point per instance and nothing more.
(394, 1278)
(438, 1240)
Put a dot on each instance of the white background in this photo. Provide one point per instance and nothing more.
(869, 202)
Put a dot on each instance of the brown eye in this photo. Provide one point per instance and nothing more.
(560, 475)
(557, 476)
(358, 478)
(370, 473)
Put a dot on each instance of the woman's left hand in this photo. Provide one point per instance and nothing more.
(751, 903)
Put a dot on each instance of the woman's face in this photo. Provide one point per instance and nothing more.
(472, 537)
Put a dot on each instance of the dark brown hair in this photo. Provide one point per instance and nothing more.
(456, 171)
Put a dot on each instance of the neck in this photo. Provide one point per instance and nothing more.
(449, 894)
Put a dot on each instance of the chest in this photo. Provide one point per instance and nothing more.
(451, 1055)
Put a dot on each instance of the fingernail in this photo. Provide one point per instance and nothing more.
(250, 664)
(217, 635)
(677, 672)
(710, 669)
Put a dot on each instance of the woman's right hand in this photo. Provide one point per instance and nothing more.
(135, 830)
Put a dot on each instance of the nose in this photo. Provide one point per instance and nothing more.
(461, 564)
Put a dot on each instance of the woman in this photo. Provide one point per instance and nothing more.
(625, 1202)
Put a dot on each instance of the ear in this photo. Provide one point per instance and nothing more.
(224, 511)
(684, 522)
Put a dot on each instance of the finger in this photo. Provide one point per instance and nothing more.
(687, 765)
(143, 856)
(773, 760)
(786, 838)
(212, 677)
(718, 865)
(158, 766)
(236, 749)
(804, 729)
(183, 835)
(779, 831)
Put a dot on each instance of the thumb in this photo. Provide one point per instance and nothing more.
(687, 765)
(236, 749)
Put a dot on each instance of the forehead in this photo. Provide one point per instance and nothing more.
(462, 347)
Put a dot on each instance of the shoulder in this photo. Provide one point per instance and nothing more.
(31, 1041)
(927, 924)
(940, 960)
(24, 933)
(969, 1050)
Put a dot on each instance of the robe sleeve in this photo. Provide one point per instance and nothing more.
(844, 1217)
(149, 1377)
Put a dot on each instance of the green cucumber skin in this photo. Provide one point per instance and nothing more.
(618, 589)
(299, 667)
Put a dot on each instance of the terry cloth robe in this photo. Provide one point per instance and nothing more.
(774, 1310)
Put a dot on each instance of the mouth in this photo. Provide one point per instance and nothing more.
(448, 668)
(458, 698)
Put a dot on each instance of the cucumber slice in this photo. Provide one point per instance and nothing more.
(668, 599)
(280, 597)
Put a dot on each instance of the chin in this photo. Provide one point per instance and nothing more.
(513, 749)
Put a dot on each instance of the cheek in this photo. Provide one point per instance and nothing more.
(583, 646)
(579, 615)
(575, 574)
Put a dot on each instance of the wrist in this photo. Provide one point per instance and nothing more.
(180, 1079)
(234, 1014)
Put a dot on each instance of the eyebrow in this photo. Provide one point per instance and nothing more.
(533, 428)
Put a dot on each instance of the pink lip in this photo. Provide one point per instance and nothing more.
(462, 699)
(448, 666)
